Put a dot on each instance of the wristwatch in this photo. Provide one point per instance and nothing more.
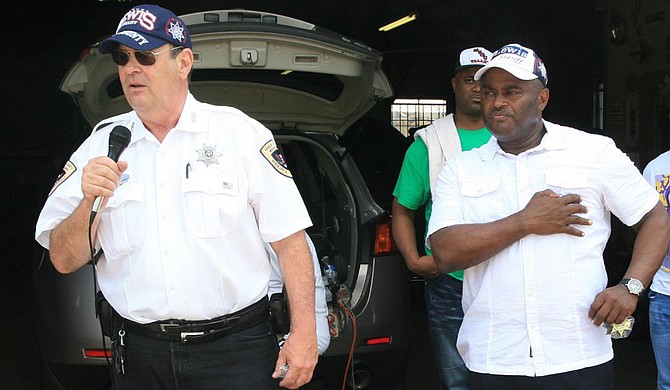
(634, 286)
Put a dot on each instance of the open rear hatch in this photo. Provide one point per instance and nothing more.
(281, 71)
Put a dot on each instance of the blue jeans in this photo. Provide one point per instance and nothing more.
(240, 361)
(659, 328)
(445, 315)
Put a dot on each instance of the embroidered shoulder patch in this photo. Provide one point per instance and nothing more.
(275, 158)
(67, 171)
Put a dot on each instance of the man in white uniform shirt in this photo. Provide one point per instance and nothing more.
(527, 216)
(186, 211)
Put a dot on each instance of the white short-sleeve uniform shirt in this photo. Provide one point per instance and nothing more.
(183, 234)
(526, 308)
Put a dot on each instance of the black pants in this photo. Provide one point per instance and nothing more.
(240, 361)
(599, 377)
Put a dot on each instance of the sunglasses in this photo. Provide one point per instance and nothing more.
(144, 57)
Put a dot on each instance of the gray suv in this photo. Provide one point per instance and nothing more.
(307, 85)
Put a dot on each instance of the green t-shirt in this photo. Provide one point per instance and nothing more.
(413, 186)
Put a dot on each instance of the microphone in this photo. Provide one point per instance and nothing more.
(119, 139)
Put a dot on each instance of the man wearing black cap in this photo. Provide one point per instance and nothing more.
(445, 137)
(527, 216)
(182, 224)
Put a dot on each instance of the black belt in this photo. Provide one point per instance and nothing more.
(205, 330)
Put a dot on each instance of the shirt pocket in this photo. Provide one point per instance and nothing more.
(571, 182)
(123, 226)
(482, 199)
(563, 182)
(211, 203)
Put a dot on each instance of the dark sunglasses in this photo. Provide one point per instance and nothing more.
(144, 57)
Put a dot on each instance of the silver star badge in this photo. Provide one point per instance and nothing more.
(208, 154)
(177, 31)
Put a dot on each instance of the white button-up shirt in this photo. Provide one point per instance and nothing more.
(183, 234)
(526, 308)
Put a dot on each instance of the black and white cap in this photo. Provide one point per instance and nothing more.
(522, 62)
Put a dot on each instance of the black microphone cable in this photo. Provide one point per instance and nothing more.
(94, 263)
(119, 139)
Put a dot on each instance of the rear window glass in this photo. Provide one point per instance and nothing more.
(325, 86)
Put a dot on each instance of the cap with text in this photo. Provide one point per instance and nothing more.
(522, 62)
(474, 56)
(146, 27)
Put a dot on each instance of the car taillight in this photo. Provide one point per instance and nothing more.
(384, 243)
(378, 340)
(97, 353)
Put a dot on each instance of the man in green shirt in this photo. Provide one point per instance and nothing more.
(433, 145)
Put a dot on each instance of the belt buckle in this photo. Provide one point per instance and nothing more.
(164, 327)
(184, 335)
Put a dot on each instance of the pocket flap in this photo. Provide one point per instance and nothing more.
(211, 183)
(566, 179)
(129, 192)
(475, 188)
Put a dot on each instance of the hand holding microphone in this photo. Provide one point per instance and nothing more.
(119, 139)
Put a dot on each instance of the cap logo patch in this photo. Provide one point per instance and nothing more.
(138, 16)
(483, 58)
(518, 51)
(175, 29)
(135, 36)
(275, 158)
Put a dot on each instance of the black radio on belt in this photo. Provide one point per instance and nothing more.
(110, 321)
(280, 315)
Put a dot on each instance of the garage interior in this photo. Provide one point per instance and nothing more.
(605, 60)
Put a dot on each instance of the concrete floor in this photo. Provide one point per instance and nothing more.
(19, 359)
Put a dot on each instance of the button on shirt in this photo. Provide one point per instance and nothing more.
(526, 308)
(183, 233)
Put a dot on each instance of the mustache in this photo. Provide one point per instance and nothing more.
(500, 111)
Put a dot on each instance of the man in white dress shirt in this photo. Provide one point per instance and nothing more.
(527, 216)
